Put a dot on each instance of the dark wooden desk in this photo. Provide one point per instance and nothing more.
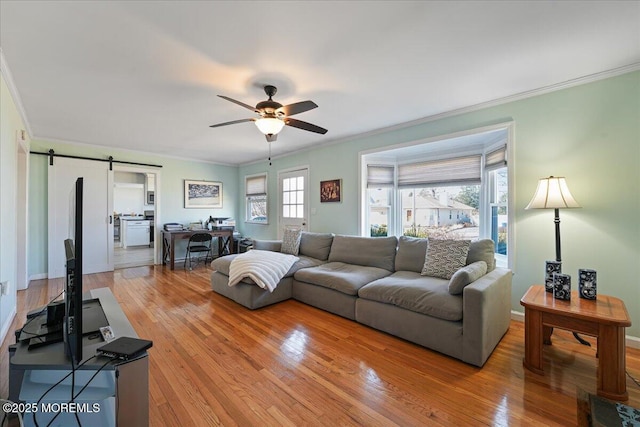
(604, 318)
(224, 234)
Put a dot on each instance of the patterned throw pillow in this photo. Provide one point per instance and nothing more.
(291, 241)
(445, 257)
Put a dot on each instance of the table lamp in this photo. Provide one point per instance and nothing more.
(553, 193)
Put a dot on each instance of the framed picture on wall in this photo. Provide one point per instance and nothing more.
(331, 191)
(202, 194)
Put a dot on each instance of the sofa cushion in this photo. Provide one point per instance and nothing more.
(411, 254)
(445, 257)
(412, 291)
(303, 262)
(291, 241)
(316, 245)
(377, 252)
(342, 277)
(482, 250)
(465, 275)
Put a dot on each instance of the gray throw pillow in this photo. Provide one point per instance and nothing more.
(482, 250)
(445, 257)
(467, 274)
(291, 241)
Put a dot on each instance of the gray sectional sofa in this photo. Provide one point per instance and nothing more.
(380, 282)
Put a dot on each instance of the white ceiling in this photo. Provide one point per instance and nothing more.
(144, 75)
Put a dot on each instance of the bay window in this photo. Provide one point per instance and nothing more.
(442, 192)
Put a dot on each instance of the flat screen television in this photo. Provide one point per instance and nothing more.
(72, 329)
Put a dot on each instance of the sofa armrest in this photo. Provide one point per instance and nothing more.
(267, 245)
(486, 314)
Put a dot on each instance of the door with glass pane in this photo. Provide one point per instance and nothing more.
(293, 198)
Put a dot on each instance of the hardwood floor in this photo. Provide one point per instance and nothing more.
(133, 256)
(214, 362)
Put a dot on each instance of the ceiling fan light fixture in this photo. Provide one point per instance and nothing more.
(269, 125)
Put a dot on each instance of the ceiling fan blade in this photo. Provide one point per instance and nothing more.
(297, 108)
(271, 137)
(304, 125)
(232, 122)
(242, 104)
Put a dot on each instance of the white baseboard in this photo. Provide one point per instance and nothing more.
(633, 342)
(630, 341)
(517, 316)
(7, 325)
(38, 276)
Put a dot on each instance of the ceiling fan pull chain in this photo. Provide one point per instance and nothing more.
(269, 153)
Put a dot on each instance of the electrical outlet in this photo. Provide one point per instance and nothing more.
(4, 288)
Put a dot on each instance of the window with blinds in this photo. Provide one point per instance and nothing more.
(452, 188)
(256, 185)
(496, 159)
(455, 171)
(256, 199)
(380, 176)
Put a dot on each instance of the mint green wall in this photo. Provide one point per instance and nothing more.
(590, 134)
(10, 123)
(170, 191)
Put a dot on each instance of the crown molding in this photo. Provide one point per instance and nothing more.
(13, 90)
(483, 105)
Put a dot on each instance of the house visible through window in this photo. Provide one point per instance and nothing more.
(459, 190)
(441, 212)
(256, 199)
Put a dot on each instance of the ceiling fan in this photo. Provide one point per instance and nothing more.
(274, 116)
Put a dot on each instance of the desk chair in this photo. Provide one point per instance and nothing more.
(198, 243)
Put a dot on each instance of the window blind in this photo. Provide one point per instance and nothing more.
(380, 176)
(256, 185)
(496, 159)
(457, 170)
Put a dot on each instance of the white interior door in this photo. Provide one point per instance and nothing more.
(97, 221)
(293, 190)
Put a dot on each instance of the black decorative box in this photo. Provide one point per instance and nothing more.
(562, 286)
(550, 268)
(587, 283)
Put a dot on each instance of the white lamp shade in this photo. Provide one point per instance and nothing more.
(269, 125)
(552, 193)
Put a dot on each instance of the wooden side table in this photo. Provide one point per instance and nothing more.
(604, 318)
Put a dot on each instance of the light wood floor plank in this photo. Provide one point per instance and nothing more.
(216, 363)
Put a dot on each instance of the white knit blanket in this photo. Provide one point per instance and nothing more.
(266, 268)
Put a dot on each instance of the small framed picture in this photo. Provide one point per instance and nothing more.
(202, 194)
(331, 191)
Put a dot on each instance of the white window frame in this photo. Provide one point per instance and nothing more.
(489, 189)
(377, 156)
(248, 197)
(391, 214)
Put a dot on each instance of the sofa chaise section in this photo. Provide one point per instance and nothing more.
(314, 251)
